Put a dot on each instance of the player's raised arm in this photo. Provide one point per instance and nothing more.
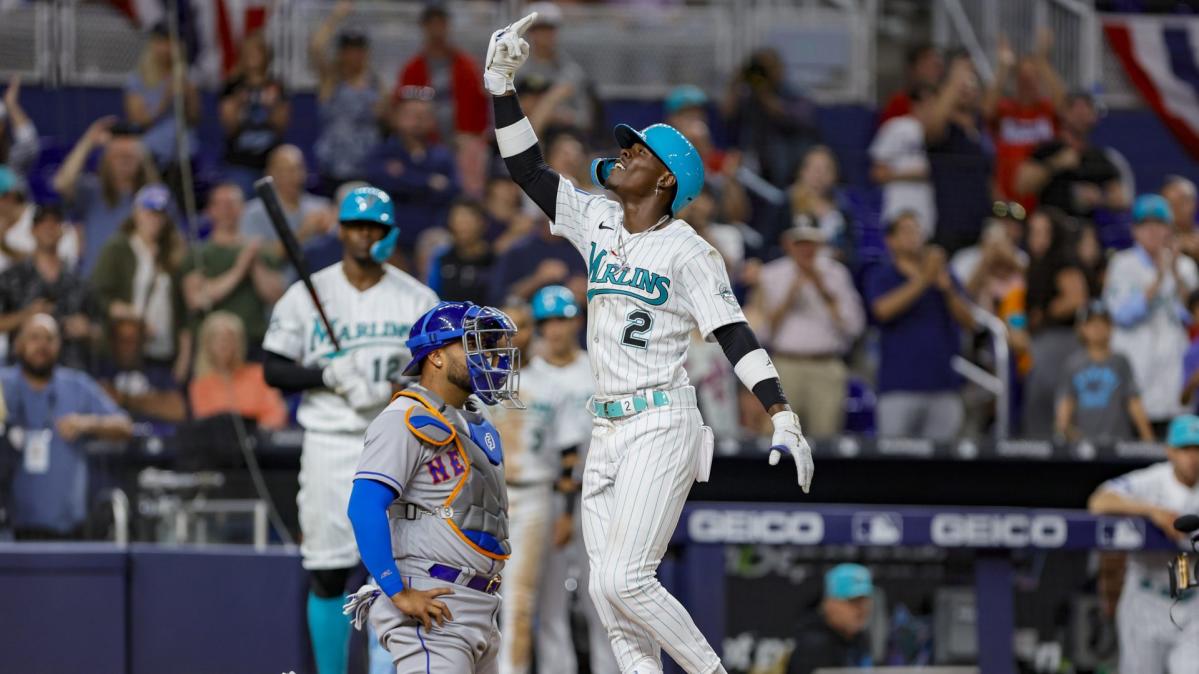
(514, 134)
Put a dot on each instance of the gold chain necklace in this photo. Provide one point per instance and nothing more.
(633, 240)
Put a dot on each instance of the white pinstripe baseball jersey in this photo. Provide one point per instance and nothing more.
(374, 321)
(646, 292)
(1154, 484)
(555, 418)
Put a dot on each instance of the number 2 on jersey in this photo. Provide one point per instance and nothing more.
(638, 327)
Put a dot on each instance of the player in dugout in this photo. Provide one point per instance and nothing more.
(1156, 636)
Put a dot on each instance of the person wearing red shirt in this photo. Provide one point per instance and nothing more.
(461, 108)
(1021, 122)
(453, 75)
(925, 68)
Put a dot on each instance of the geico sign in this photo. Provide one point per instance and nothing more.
(1013, 530)
(755, 526)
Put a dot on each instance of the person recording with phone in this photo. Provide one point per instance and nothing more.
(1147, 619)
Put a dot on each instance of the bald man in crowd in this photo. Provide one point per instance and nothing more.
(1180, 194)
(51, 413)
(307, 214)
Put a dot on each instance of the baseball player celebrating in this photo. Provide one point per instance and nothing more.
(1149, 642)
(371, 306)
(652, 279)
(429, 507)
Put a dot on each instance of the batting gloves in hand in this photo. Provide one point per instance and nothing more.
(789, 438)
(341, 371)
(347, 379)
(506, 53)
(364, 394)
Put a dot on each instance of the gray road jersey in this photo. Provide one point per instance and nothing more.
(428, 474)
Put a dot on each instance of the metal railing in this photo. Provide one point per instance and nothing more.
(1079, 52)
(998, 384)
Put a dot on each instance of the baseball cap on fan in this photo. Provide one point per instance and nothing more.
(10, 182)
(804, 228)
(1184, 431)
(848, 581)
(1094, 309)
(1152, 208)
(153, 197)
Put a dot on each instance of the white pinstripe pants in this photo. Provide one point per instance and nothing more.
(1149, 642)
(638, 473)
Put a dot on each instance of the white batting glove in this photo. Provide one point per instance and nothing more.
(341, 371)
(506, 52)
(788, 437)
(364, 394)
(346, 377)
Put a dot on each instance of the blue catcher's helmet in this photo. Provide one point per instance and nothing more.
(671, 148)
(554, 302)
(486, 337)
(371, 204)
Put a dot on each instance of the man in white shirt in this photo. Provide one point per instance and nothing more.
(900, 165)
(1146, 292)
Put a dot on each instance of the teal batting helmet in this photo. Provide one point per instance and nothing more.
(371, 204)
(554, 302)
(671, 148)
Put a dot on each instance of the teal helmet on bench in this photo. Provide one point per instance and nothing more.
(671, 148)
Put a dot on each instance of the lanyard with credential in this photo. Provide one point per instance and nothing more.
(33, 444)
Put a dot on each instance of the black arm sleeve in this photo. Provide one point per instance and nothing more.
(528, 168)
(738, 341)
(290, 377)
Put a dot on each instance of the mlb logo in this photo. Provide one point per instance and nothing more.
(1123, 533)
(877, 528)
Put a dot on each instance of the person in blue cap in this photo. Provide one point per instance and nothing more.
(1146, 292)
(371, 306)
(652, 281)
(1157, 635)
(837, 635)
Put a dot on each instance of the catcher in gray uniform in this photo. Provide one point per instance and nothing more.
(429, 507)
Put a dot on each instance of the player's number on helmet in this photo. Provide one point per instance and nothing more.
(636, 331)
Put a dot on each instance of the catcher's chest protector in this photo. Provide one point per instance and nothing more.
(479, 500)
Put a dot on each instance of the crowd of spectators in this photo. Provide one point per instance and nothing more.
(988, 196)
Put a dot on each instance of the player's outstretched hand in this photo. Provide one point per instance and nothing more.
(506, 53)
(424, 605)
(788, 438)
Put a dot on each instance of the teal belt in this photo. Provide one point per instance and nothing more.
(627, 407)
(1165, 592)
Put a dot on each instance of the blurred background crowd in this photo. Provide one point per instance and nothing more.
(968, 257)
(953, 221)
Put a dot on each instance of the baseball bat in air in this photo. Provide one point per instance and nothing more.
(265, 189)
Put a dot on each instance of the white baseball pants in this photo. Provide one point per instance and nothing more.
(638, 474)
